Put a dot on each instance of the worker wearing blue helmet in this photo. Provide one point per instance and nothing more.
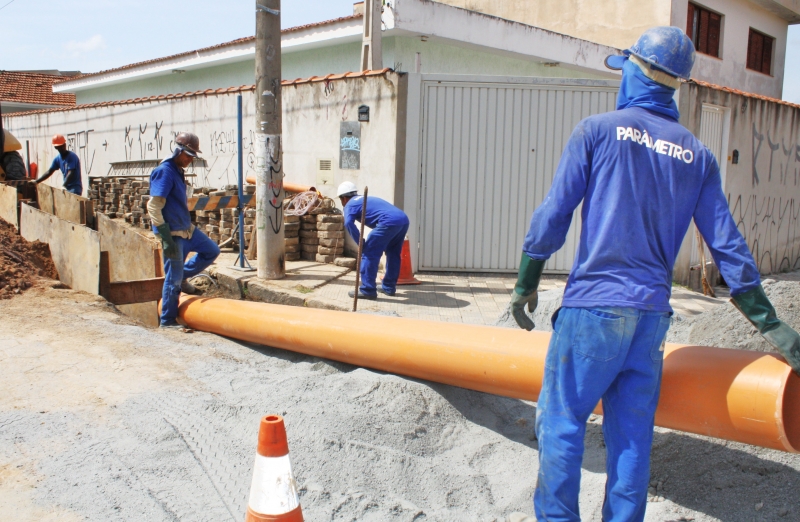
(642, 177)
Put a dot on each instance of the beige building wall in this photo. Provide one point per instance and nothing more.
(618, 23)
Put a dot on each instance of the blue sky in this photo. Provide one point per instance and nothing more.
(92, 35)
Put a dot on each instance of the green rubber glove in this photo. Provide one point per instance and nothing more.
(755, 305)
(530, 272)
(167, 243)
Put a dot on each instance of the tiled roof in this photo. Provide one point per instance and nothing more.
(229, 90)
(212, 48)
(743, 93)
(23, 87)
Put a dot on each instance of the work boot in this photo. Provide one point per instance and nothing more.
(173, 326)
(386, 292)
(188, 288)
(362, 295)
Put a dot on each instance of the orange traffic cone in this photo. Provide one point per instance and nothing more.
(406, 273)
(273, 493)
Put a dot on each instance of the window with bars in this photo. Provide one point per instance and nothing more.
(704, 28)
(759, 52)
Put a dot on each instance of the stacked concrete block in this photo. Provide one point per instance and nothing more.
(309, 242)
(291, 234)
(128, 197)
(330, 233)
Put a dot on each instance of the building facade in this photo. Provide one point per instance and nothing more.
(741, 43)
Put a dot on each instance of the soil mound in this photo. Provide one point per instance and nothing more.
(22, 262)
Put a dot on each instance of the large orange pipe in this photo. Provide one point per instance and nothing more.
(742, 396)
(288, 187)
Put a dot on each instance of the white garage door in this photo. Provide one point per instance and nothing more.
(489, 153)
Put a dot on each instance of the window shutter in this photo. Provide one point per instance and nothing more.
(766, 53)
(702, 37)
(690, 23)
(714, 26)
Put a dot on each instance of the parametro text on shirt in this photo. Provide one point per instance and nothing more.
(660, 146)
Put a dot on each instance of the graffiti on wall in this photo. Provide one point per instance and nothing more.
(771, 227)
(770, 224)
(78, 142)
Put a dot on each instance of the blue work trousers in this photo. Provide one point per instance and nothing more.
(613, 354)
(175, 270)
(382, 239)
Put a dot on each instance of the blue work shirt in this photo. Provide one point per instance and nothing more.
(69, 162)
(379, 213)
(642, 177)
(167, 181)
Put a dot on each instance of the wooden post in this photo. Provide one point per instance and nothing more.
(360, 248)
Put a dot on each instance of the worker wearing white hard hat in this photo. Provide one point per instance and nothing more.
(389, 226)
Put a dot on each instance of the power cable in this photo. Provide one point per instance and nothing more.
(9, 3)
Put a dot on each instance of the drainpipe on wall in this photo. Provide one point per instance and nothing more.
(269, 154)
(371, 49)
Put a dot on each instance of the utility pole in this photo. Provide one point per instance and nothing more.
(269, 154)
(371, 49)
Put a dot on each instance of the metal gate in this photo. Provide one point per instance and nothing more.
(489, 153)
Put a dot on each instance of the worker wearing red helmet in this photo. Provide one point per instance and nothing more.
(68, 163)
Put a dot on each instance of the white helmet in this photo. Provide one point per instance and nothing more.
(347, 188)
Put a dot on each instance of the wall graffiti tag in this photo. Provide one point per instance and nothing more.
(350, 145)
(769, 218)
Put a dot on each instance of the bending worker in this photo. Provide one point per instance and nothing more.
(642, 177)
(68, 163)
(389, 225)
(169, 214)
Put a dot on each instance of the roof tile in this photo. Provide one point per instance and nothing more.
(23, 87)
(242, 88)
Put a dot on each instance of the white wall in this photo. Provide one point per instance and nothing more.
(730, 69)
(763, 189)
(312, 112)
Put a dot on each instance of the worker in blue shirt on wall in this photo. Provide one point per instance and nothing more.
(641, 177)
(389, 225)
(68, 163)
(169, 214)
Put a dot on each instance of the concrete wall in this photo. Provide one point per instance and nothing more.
(300, 64)
(440, 58)
(620, 23)
(730, 69)
(763, 188)
(312, 113)
(617, 23)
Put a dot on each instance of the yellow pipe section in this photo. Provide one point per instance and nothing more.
(736, 395)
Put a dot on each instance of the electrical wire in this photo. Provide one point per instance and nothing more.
(9, 3)
(302, 203)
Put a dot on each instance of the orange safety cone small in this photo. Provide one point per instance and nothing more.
(273, 493)
(406, 273)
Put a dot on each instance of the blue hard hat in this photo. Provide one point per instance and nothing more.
(667, 49)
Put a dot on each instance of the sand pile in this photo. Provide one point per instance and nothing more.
(21, 262)
(726, 327)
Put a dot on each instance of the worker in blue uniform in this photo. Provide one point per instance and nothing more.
(641, 177)
(389, 226)
(68, 163)
(169, 215)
